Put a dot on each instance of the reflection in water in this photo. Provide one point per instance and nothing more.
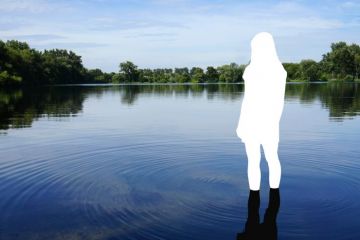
(19, 108)
(341, 99)
(268, 229)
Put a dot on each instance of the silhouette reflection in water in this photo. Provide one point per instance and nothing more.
(268, 229)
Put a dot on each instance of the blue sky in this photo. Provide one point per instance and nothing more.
(178, 33)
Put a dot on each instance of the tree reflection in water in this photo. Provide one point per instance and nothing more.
(20, 107)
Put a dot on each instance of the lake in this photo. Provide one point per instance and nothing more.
(164, 162)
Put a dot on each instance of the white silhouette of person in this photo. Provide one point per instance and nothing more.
(262, 106)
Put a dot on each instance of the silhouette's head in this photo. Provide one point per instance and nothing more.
(263, 49)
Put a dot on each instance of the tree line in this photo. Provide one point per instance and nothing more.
(341, 63)
(21, 65)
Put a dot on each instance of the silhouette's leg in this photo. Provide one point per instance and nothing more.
(272, 158)
(254, 156)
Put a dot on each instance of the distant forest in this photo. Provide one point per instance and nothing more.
(21, 65)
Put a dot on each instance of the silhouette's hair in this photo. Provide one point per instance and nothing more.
(263, 49)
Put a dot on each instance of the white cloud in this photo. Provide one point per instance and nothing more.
(29, 6)
(350, 4)
(37, 37)
(179, 32)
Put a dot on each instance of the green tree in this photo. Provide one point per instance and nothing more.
(7, 74)
(197, 75)
(211, 75)
(181, 75)
(130, 71)
(146, 75)
(162, 75)
(342, 60)
(293, 71)
(231, 73)
(355, 52)
(309, 70)
(98, 76)
(117, 78)
(61, 66)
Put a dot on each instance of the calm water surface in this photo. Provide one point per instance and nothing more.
(164, 162)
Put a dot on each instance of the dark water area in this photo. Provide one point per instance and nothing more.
(164, 162)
